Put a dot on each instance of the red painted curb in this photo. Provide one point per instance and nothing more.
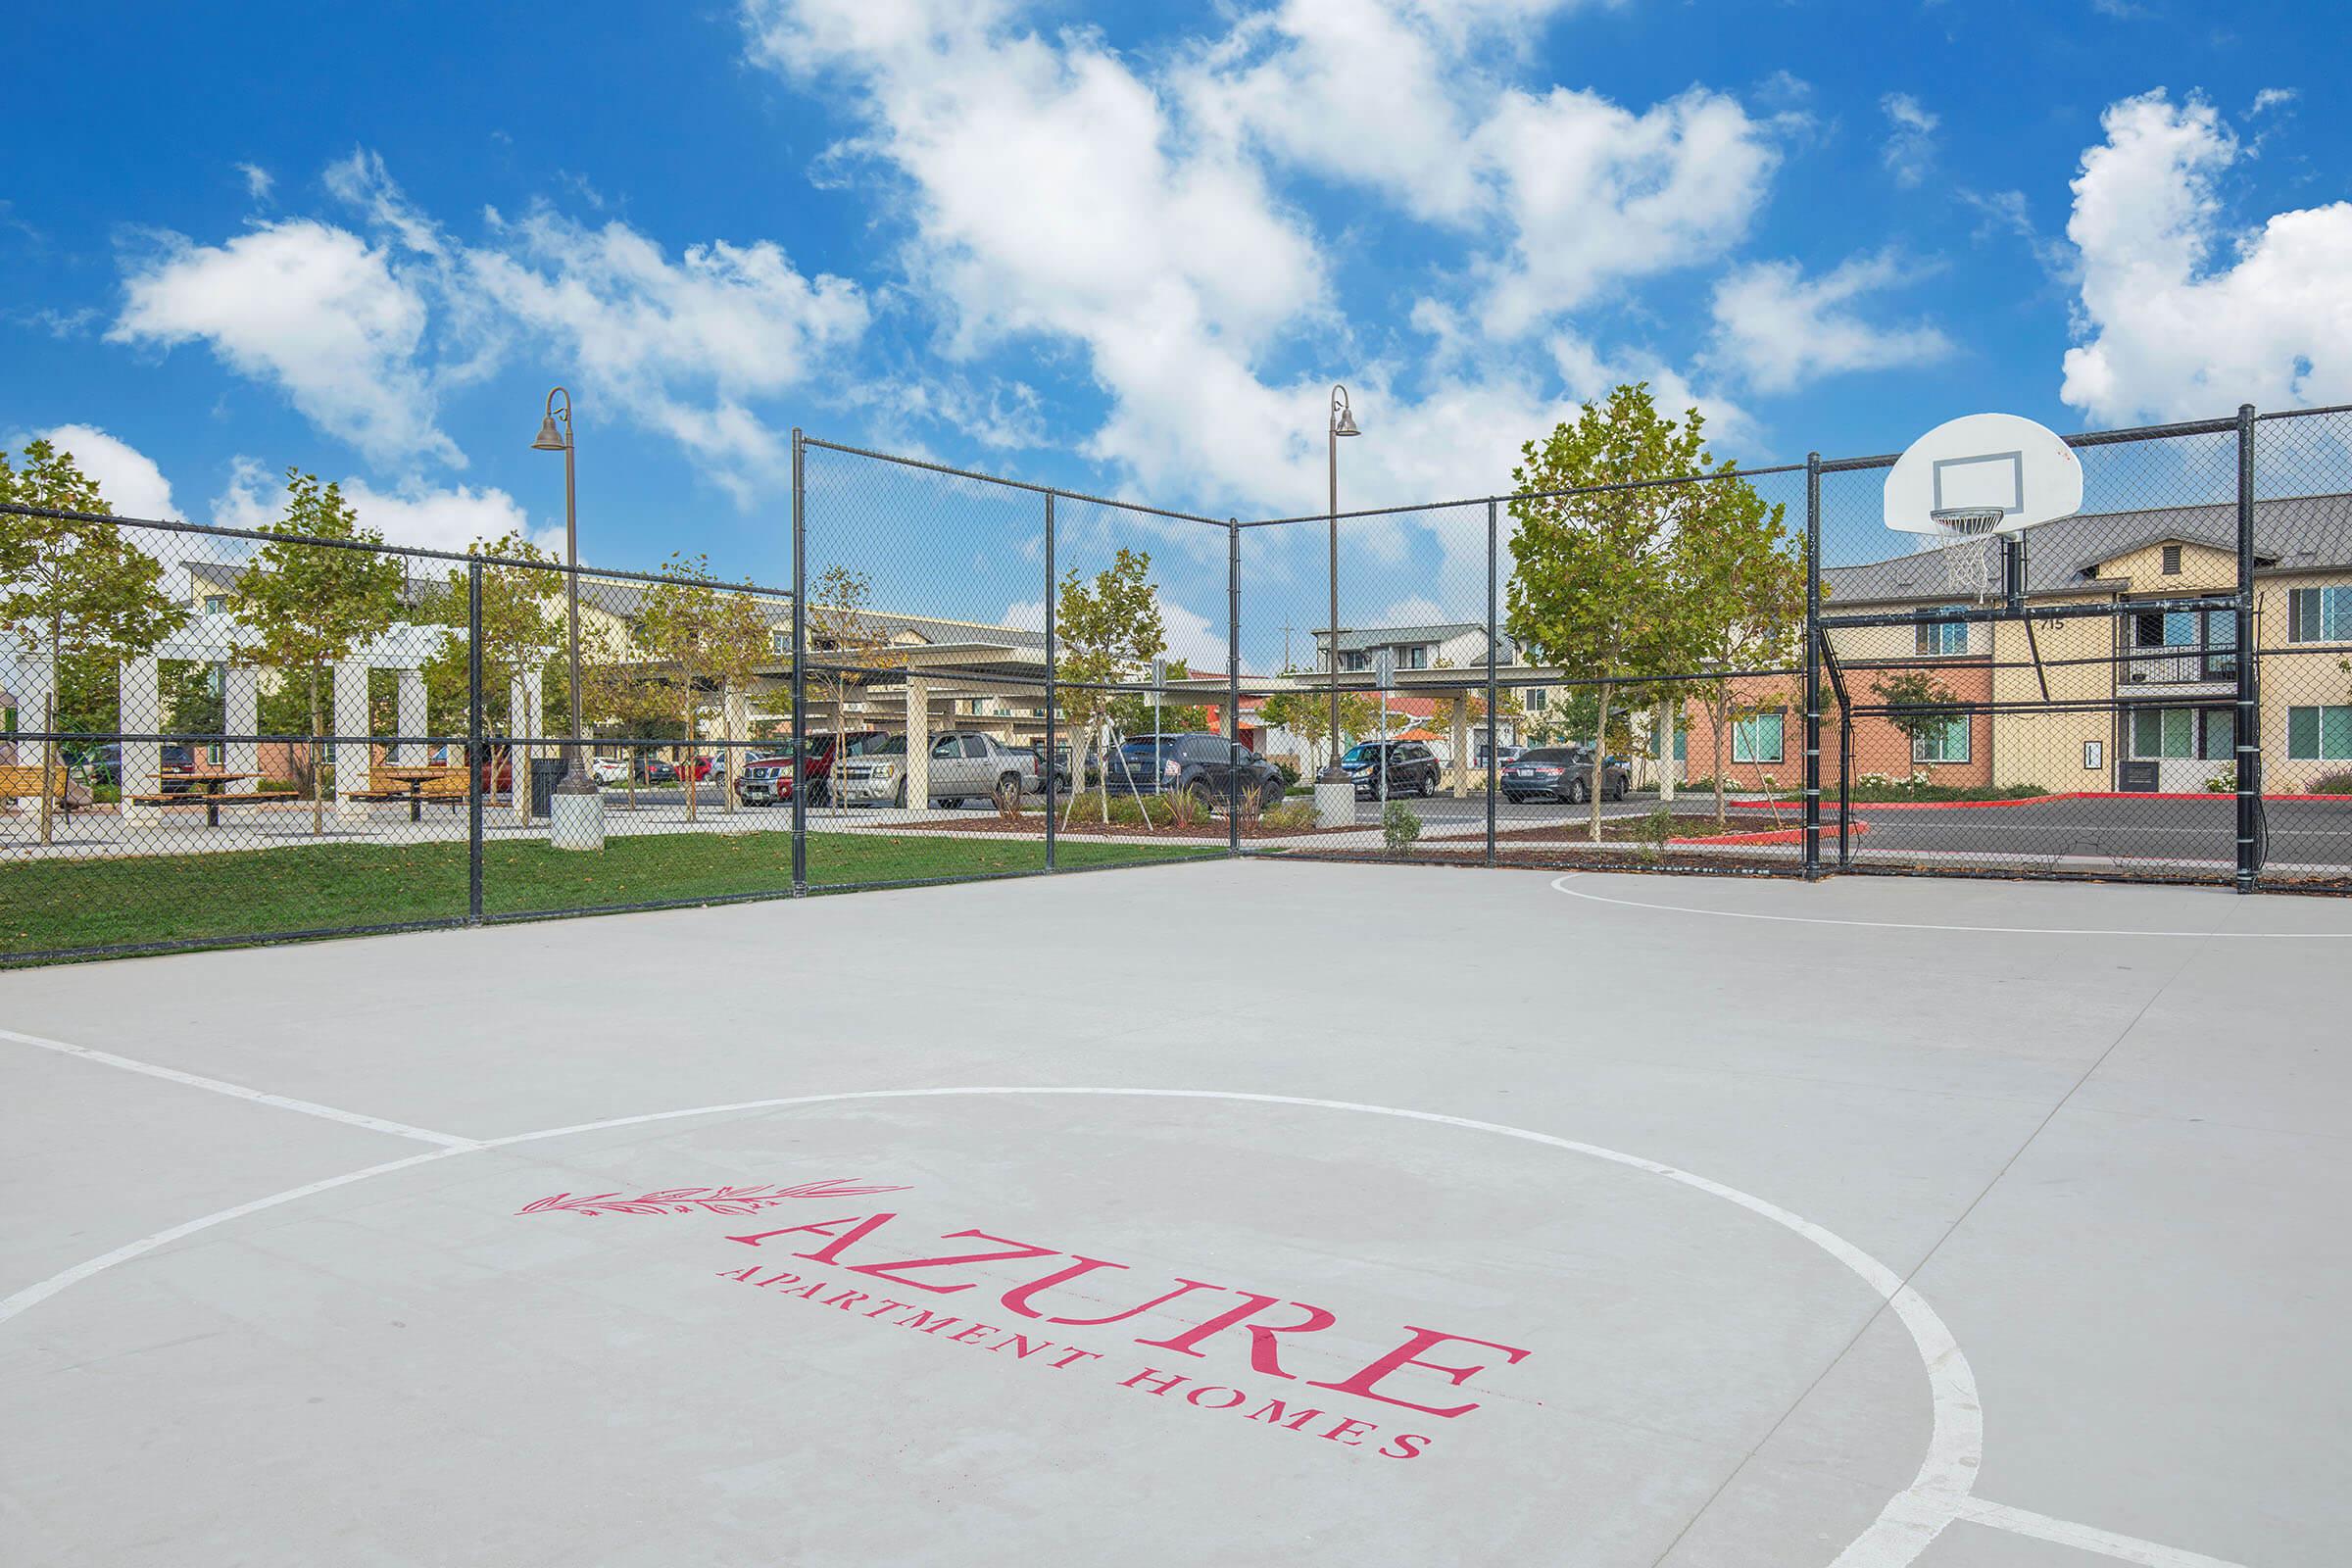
(1828, 800)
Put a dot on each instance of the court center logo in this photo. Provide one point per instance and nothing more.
(1227, 1356)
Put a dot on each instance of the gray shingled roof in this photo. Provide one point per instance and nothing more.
(1359, 639)
(2294, 533)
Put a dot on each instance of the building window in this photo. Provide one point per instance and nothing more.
(2183, 734)
(1757, 739)
(1415, 658)
(2172, 560)
(1355, 662)
(2320, 615)
(1533, 698)
(1947, 742)
(2320, 734)
(215, 604)
(1940, 637)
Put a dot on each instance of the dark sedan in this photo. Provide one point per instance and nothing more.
(1562, 773)
(1201, 765)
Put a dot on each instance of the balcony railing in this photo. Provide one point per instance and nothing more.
(2179, 667)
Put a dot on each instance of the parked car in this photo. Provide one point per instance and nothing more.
(963, 765)
(609, 770)
(1503, 756)
(769, 778)
(1063, 781)
(102, 763)
(1562, 773)
(659, 771)
(1411, 767)
(1205, 764)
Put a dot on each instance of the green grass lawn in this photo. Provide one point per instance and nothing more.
(46, 905)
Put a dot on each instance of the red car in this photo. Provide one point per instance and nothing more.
(770, 779)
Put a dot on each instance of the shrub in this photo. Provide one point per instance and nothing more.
(1654, 832)
(1187, 806)
(1291, 816)
(1290, 775)
(2223, 783)
(2332, 784)
(1400, 827)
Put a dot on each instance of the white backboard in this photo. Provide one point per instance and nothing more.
(1979, 463)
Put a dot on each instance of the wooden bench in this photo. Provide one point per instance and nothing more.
(449, 787)
(22, 781)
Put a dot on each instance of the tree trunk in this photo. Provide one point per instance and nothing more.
(318, 769)
(1723, 717)
(1600, 758)
(686, 767)
(50, 761)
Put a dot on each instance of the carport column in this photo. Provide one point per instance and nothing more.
(413, 718)
(1462, 745)
(918, 742)
(735, 724)
(140, 713)
(353, 748)
(525, 695)
(241, 715)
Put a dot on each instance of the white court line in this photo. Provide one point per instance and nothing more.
(1908, 1525)
(1560, 885)
(2041, 1527)
(349, 1118)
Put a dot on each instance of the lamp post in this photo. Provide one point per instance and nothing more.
(576, 810)
(1332, 808)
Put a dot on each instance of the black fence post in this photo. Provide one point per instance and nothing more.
(1493, 734)
(1845, 787)
(2247, 730)
(1052, 707)
(1812, 668)
(838, 770)
(1233, 686)
(478, 752)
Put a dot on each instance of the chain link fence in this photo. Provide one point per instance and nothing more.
(216, 735)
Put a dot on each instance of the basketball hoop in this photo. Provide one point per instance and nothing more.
(1971, 522)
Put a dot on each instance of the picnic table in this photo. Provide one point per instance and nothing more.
(414, 779)
(194, 782)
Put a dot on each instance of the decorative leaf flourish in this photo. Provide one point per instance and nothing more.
(699, 1200)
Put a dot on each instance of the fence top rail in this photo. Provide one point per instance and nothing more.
(406, 551)
(1013, 484)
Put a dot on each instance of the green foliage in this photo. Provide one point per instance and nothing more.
(1654, 831)
(1131, 712)
(1306, 713)
(2337, 783)
(1400, 827)
(1920, 705)
(1618, 580)
(710, 635)
(1105, 630)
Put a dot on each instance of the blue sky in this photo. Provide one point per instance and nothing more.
(1128, 248)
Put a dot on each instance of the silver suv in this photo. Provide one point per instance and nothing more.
(965, 766)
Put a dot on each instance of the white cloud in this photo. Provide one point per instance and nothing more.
(314, 308)
(1778, 328)
(418, 515)
(1599, 195)
(258, 181)
(2181, 316)
(681, 345)
(1058, 191)
(132, 485)
(1910, 145)
(2269, 98)
(1190, 637)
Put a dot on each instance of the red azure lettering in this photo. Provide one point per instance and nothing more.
(1410, 1354)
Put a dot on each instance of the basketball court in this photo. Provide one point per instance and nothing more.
(1231, 1211)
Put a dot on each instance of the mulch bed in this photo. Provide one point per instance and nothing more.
(1031, 825)
(1625, 829)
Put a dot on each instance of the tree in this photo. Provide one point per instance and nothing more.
(709, 633)
(1305, 713)
(73, 593)
(616, 689)
(1107, 630)
(523, 634)
(1917, 704)
(845, 642)
(307, 606)
(1131, 713)
(1469, 708)
(1592, 579)
(1741, 578)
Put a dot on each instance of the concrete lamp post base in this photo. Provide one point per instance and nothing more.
(1335, 803)
(575, 821)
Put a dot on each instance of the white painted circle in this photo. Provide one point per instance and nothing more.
(1908, 1524)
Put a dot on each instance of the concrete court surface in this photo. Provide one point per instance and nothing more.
(1238, 1212)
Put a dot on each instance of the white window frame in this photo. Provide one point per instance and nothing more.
(1920, 745)
(1744, 735)
(2330, 602)
(1929, 638)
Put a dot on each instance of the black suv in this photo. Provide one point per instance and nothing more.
(1412, 768)
(1205, 764)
